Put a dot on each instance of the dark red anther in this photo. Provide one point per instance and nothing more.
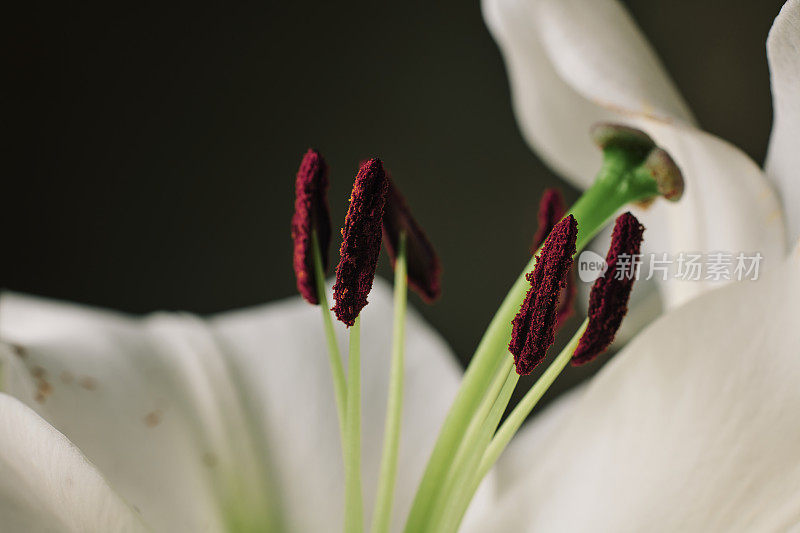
(424, 268)
(533, 329)
(552, 209)
(311, 214)
(608, 301)
(361, 242)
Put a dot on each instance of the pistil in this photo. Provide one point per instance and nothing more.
(626, 175)
(608, 305)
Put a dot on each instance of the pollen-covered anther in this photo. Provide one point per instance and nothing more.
(533, 329)
(552, 209)
(361, 242)
(311, 214)
(423, 265)
(608, 300)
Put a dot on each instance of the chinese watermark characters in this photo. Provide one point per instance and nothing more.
(714, 266)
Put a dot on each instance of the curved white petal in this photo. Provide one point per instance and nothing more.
(282, 349)
(573, 63)
(783, 157)
(693, 427)
(149, 401)
(727, 206)
(207, 425)
(47, 485)
(556, 99)
(626, 75)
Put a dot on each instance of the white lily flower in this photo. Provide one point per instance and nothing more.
(692, 427)
(572, 63)
(174, 423)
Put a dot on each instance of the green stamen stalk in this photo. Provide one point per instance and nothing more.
(470, 441)
(446, 515)
(394, 407)
(353, 499)
(617, 184)
(494, 447)
(528, 402)
(334, 355)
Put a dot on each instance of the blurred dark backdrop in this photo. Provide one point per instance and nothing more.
(153, 147)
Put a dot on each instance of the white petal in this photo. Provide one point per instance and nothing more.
(556, 99)
(693, 427)
(47, 486)
(205, 425)
(626, 74)
(283, 350)
(783, 157)
(575, 62)
(149, 402)
(727, 206)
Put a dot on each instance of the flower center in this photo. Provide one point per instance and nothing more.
(634, 169)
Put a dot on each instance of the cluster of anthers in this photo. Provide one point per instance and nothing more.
(472, 438)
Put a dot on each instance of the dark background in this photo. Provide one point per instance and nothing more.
(153, 147)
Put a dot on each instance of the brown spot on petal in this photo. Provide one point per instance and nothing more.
(43, 390)
(210, 459)
(19, 350)
(87, 382)
(152, 419)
